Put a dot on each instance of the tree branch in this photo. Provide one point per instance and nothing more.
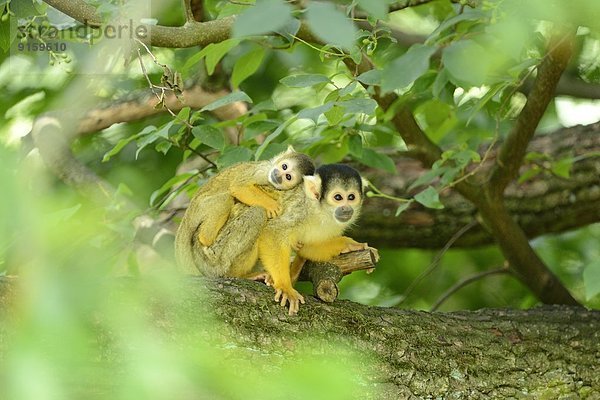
(514, 147)
(544, 352)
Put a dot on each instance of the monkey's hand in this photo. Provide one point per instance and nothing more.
(289, 296)
(273, 211)
(297, 246)
(353, 245)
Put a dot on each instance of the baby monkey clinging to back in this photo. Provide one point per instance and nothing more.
(212, 204)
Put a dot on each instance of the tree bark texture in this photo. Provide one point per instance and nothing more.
(545, 353)
(544, 204)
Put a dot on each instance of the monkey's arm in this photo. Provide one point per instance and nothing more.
(254, 196)
(327, 249)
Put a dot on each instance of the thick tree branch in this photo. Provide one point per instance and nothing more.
(542, 205)
(546, 352)
(514, 147)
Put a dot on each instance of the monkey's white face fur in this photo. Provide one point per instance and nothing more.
(285, 174)
(342, 200)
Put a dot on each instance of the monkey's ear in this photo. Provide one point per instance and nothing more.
(312, 186)
(290, 149)
(365, 184)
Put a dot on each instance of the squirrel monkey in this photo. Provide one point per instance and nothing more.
(314, 214)
(332, 202)
(245, 182)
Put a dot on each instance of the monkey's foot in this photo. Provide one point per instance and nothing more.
(262, 277)
(297, 246)
(206, 239)
(290, 296)
(354, 246)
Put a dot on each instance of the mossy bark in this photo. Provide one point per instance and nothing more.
(549, 352)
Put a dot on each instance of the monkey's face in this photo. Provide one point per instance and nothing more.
(345, 203)
(288, 170)
(285, 174)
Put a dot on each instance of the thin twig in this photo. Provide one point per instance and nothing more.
(435, 263)
(459, 285)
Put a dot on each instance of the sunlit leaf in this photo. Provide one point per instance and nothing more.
(233, 155)
(591, 279)
(227, 99)
(430, 198)
(314, 113)
(371, 77)
(334, 115)
(264, 17)
(330, 24)
(376, 8)
(246, 65)
(304, 80)
(563, 167)
(365, 106)
(377, 160)
(214, 52)
(210, 136)
(407, 68)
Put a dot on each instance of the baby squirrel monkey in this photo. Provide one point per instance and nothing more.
(214, 201)
(333, 199)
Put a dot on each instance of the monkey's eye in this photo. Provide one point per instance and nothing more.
(284, 166)
(288, 177)
(338, 197)
(351, 197)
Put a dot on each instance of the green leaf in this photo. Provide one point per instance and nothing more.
(334, 115)
(355, 145)
(124, 142)
(8, 32)
(210, 136)
(330, 24)
(428, 177)
(376, 8)
(227, 99)
(405, 69)
(374, 159)
(246, 65)
(264, 17)
(529, 174)
(214, 52)
(402, 207)
(233, 155)
(315, 112)
(591, 279)
(272, 136)
(563, 167)
(430, 198)
(166, 187)
(468, 63)
(304, 80)
(163, 147)
(365, 106)
(372, 77)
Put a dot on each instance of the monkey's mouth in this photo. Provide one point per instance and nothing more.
(343, 214)
(275, 177)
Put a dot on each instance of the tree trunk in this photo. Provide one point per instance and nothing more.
(548, 352)
(545, 204)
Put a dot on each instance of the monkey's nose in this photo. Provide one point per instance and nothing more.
(276, 176)
(344, 213)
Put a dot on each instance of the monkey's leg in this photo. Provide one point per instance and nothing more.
(275, 256)
(254, 196)
(296, 268)
(234, 252)
(327, 249)
(219, 207)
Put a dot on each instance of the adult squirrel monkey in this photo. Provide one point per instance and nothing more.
(332, 202)
(245, 182)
